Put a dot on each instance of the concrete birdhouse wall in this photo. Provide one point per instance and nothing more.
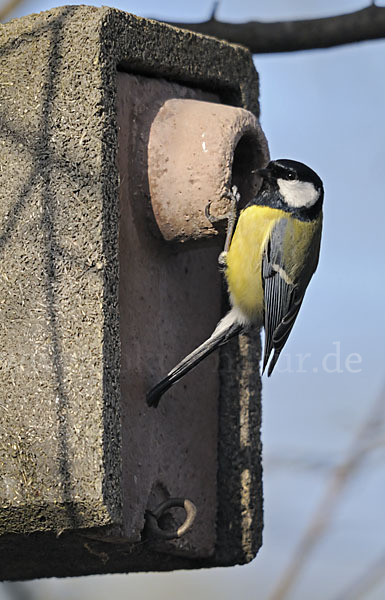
(115, 133)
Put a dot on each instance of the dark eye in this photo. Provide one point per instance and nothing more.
(290, 175)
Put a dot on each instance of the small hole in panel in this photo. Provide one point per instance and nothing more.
(248, 156)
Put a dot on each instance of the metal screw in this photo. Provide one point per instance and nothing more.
(153, 516)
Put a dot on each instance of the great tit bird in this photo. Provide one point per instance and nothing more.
(268, 263)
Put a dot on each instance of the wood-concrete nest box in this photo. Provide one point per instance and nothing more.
(115, 133)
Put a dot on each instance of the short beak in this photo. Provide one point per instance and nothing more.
(265, 172)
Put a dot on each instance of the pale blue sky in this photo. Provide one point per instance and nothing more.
(325, 108)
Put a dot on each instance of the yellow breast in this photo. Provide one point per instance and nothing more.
(244, 258)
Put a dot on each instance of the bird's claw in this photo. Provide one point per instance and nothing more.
(235, 198)
(222, 259)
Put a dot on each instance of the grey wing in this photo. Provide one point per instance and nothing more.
(282, 298)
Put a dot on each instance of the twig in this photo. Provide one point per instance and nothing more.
(214, 10)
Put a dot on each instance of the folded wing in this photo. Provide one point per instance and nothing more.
(287, 268)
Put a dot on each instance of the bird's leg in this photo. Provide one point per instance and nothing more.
(231, 221)
(231, 217)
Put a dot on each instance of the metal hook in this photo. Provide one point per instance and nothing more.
(153, 516)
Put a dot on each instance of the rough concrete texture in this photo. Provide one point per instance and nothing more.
(61, 497)
(191, 162)
(59, 364)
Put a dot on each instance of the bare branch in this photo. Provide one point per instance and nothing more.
(337, 483)
(288, 36)
(7, 10)
(366, 582)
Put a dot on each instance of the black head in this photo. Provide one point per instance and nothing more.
(284, 168)
(293, 185)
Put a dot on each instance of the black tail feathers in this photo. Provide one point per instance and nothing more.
(227, 328)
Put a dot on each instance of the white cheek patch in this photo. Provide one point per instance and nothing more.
(298, 194)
